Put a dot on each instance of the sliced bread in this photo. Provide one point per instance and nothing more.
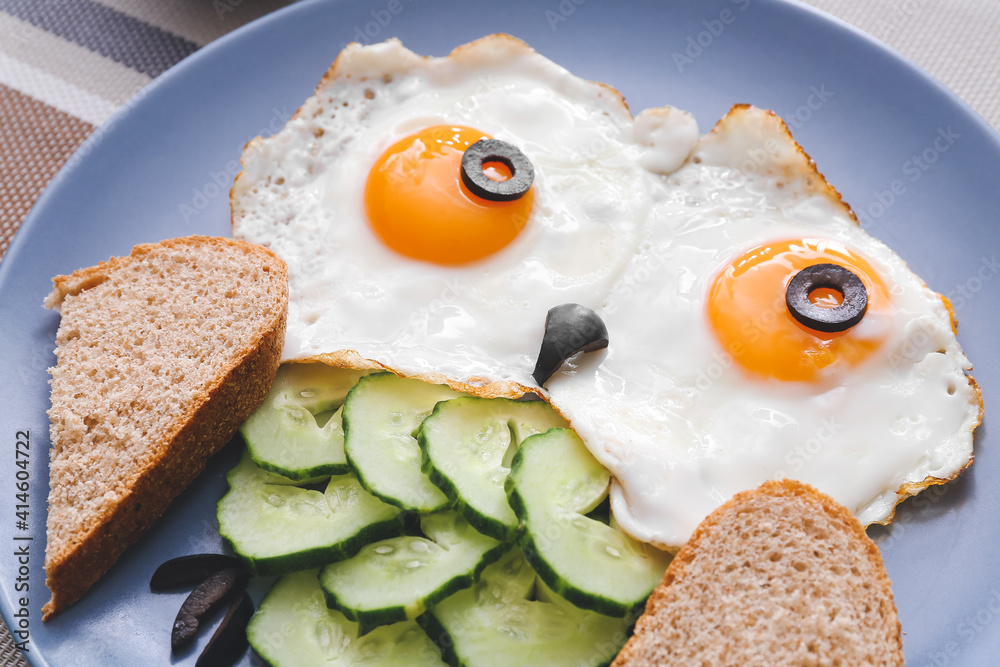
(781, 575)
(160, 356)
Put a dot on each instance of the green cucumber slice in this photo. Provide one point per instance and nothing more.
(277, 527)
(381, 414)
(554, 481)
(507, 581)
(293, 627)
(293, 433)
(396, 579)
(495, 623)
(468, 444)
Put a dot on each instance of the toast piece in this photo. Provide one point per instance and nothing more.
(781, 575)
(160, 356)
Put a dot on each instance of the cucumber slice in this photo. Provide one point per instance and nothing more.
(468, 444)
(277, 527)
(285, 434)
(380, 416)
(553, 482)
(495, 623)
(396, 579)
(507, 581)
(293, 627)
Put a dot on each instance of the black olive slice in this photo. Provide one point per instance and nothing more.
(203, 600)
(830, 276)
(229, 640)
(522, 173)
(186, 570)
(569, 328)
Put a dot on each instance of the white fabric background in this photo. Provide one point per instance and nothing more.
(956, 41)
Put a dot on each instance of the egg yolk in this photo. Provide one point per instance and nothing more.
(418, 206)
(747, 311)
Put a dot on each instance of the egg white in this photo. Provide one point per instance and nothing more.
(633, 218)
(682, 427)
(301, 194)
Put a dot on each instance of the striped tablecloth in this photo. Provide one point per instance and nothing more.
(67, 65)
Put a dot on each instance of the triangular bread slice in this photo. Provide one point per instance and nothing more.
(781, 575)
(160, 356)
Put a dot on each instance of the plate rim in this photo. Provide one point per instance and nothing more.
(80, 157)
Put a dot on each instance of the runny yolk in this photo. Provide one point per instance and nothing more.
(826, 297)
(418, 206)
(747, 312)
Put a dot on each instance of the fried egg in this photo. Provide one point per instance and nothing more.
(391, 257)
(684, 244)
(711, 386)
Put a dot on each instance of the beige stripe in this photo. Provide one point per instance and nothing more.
(35, 141)
(89, 71)
(200, 21)
(54, 91)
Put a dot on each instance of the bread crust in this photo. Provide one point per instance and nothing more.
(658, 603)
(181, 453)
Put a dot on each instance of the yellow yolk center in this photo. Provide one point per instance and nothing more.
(418, 206)
(747, 311)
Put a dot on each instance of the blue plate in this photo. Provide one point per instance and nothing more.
(918, 166)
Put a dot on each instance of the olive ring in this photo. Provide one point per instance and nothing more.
(830, 276)
(522, 173)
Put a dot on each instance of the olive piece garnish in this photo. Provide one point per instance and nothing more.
(229, 640)
(204, 599)
(219, 578)
(569, 328)
(830, 276)
(522, 174)
(193, 569)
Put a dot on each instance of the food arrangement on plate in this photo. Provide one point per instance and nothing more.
(429, 484)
